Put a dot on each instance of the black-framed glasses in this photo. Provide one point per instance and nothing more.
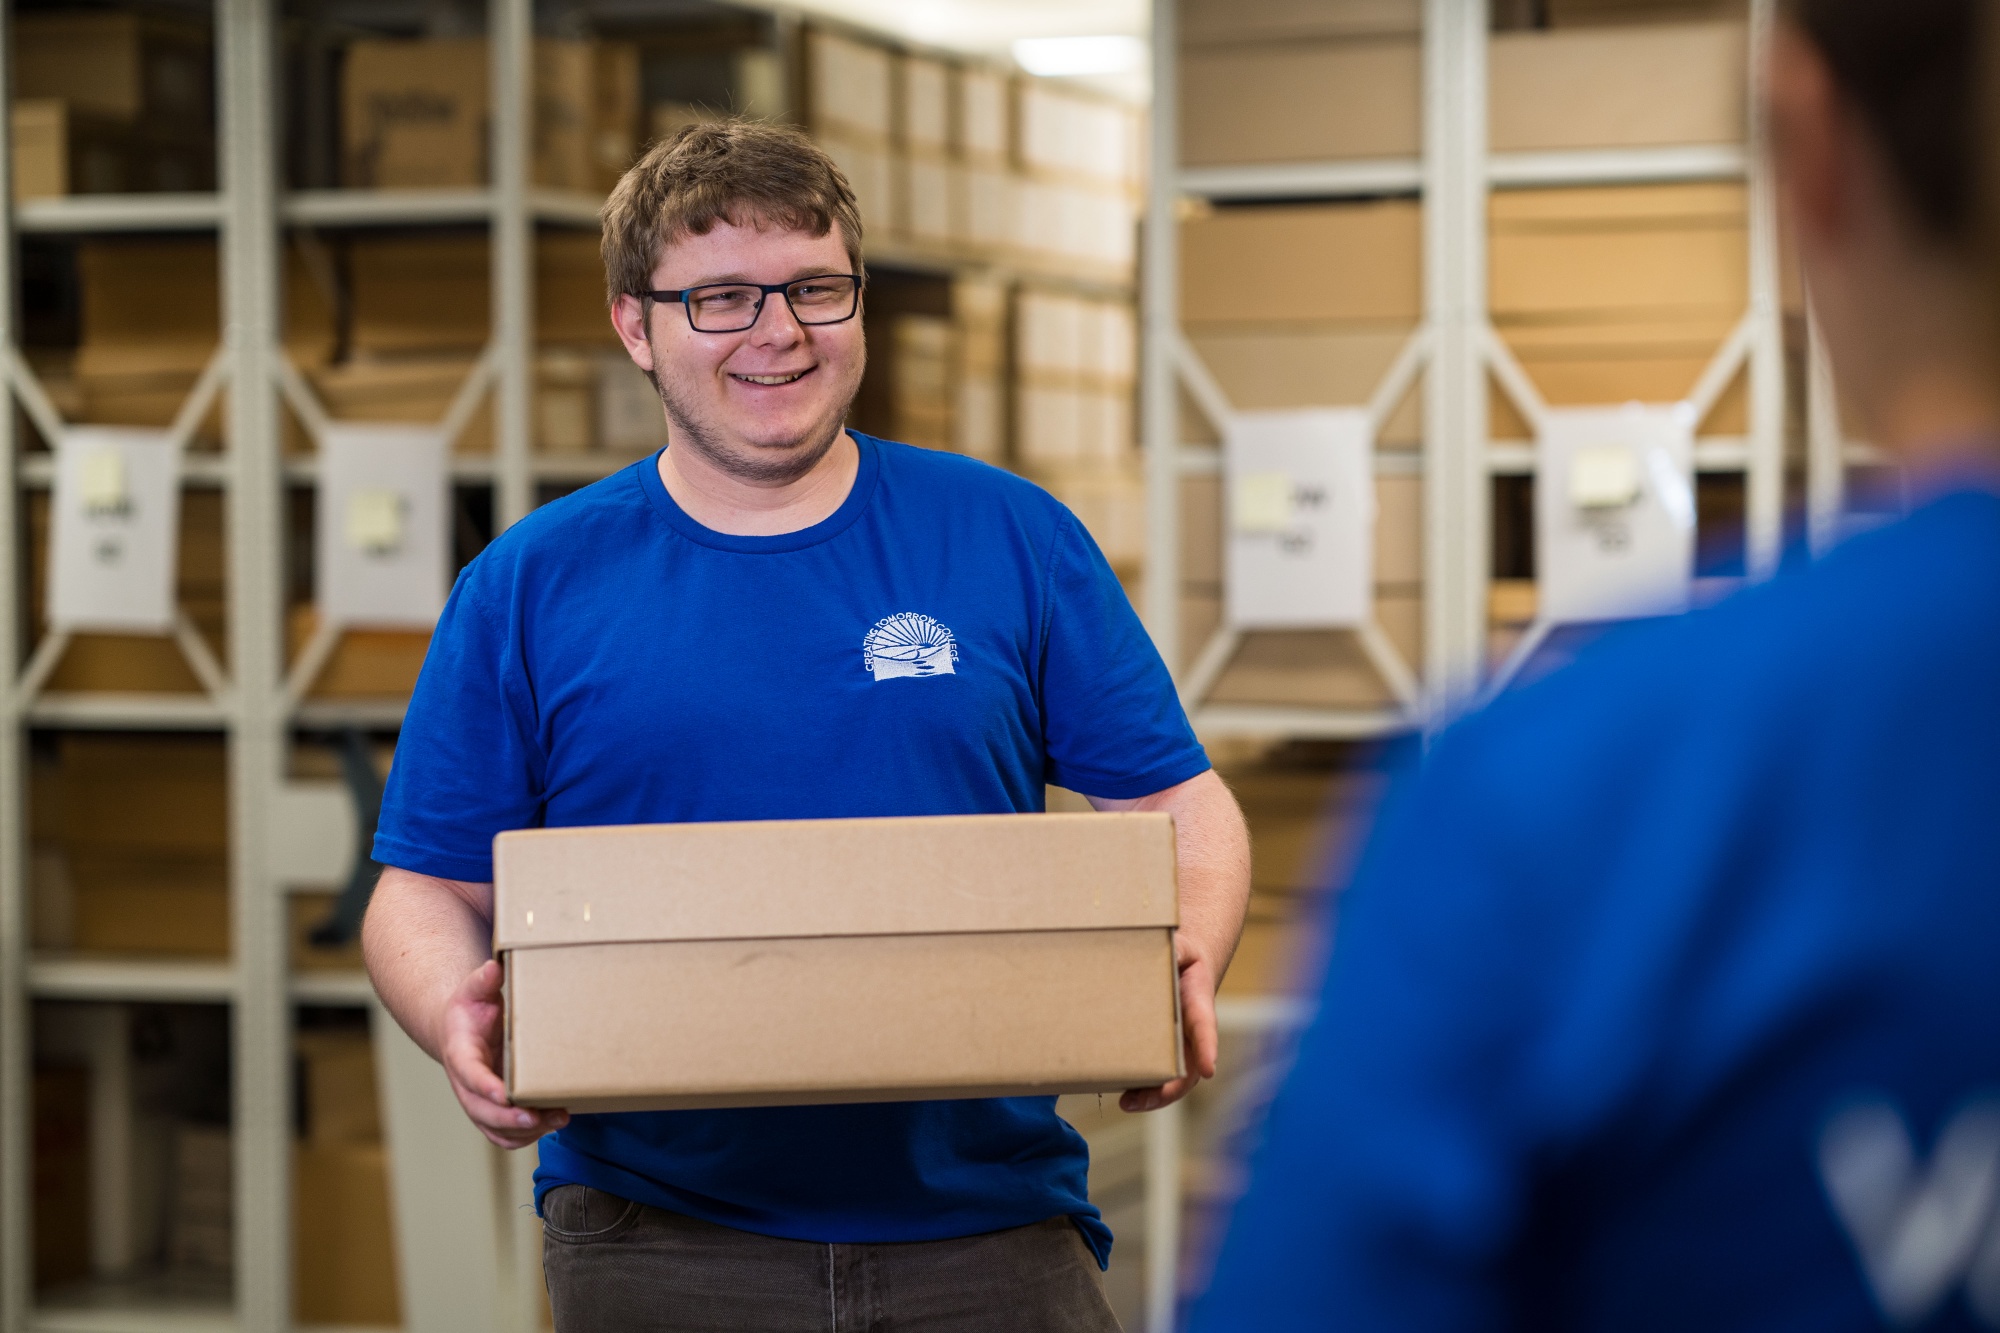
(732, 307)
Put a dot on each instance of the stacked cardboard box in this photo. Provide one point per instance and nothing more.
(343, 1250)
(1076, 199)
(1302, 306)
(40, 129)
(365, 664)
(983, 121)
(150, 322)
(1607, 295)
(125, 101)
(979, 414)
(924, 348)
(144, 664)
(932, 193)
(850, 101)
(417, 113)
(1279, 81)
(1075, 361)
(134, 828)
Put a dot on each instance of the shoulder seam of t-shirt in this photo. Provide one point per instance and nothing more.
(1064, 519)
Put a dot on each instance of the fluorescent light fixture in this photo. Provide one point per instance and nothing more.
(1059, 57)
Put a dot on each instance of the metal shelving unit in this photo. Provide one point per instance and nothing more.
(1457, 349)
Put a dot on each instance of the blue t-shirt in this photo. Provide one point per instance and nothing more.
(1661, 985)
(947, 642)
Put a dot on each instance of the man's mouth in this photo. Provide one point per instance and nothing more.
(771, 379)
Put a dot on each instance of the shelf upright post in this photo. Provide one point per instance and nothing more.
(16, 1220)
(1765, 501)
(510, 37)
(1159, 311)
(260, 1027)
(1455, 427)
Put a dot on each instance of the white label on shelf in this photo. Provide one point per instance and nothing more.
(1301, 501)
(1614, 512)
(383, 525)
(114, 539)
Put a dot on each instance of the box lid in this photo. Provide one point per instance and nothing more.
(819, 877)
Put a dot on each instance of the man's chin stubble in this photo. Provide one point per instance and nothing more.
(760, 465)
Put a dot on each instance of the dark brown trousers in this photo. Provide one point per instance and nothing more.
(616, 1265)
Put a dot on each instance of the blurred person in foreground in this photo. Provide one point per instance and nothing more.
(1668, 996)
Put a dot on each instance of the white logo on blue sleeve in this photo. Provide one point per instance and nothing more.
(908, 644)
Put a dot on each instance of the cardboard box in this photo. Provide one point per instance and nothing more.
(1301, 101)
(151, 305)
(926, 103)
(933, 198)
(871, 170)
(1232, 22)
(337, 1083)
(366, 664)
(430, 295)
(984, 121)
(40, 128)
(1341, 262)
(417, 390)
(344, 1255)
(1625, 87)
(1311, 366)
(616, 123)
(1094, 139)
(849, 87)
(132, 69)
(851, 960)
(1585, 13)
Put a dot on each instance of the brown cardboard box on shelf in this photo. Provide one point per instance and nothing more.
(429, 295)
(615, 123)
(1225, 22)
(1623, 87)
(344, 1255)
(122, 67)
(338, 1086)
(923, 351)
(871, 169)
(1591, 13)
(924, 109)
(1301, 100)
(40, 129)
(366, 664)
(1343, 262)
(1608, 295)
(983, 125)
(849, 87)
(815, 961)
(1307, 365)
(414, 113)
(418, 390)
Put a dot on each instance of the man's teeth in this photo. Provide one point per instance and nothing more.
(771, 379)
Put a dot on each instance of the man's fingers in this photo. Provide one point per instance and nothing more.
(1199, 1028)
(1152, 1099)
(466, 1060)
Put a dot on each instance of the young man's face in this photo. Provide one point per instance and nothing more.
(766, 403)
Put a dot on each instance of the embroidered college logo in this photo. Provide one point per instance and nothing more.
(908, 644)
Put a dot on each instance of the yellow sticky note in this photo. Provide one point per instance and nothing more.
(1604, 476)
(1261, 502)
(375, 521)
(102, 481)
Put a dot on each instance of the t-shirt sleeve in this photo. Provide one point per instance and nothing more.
(468, 764)
(1392, 1174)
(1112, 722)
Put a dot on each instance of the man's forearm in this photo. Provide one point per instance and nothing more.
(1212, 846)
(423, 936)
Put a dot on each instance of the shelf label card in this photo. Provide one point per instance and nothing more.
(1614, 512)
(115, 535)
(1300, 502)
(383, 525)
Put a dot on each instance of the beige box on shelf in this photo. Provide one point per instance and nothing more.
(1341, 262)
(843, 960)
(1301, 101)
(40, 129)
(1622, 87)
(849, 86)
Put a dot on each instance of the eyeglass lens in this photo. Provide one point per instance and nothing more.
(730, 309)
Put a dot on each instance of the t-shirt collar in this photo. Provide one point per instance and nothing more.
(647, 471)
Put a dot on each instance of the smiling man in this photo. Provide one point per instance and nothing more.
(776, 618)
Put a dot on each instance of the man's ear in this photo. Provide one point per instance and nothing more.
(1810, 131)
(629, 315)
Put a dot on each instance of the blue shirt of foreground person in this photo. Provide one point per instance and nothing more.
(776, 618)
(1668, 996)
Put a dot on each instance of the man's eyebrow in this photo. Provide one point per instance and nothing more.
(798, 275)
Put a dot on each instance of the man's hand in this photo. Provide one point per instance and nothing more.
(469, 1047)
(1198, 1035)
(1212, 853)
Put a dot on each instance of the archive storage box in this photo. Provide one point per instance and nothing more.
(850, 960)
(850, 100)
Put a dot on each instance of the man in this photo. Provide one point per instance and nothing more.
(695, 638)
(1667, 997)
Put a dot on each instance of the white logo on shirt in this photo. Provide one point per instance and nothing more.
(908, 644)
(1919, 1229)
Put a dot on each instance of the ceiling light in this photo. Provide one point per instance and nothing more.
(1058, 57)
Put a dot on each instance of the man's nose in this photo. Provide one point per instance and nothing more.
(776, 322)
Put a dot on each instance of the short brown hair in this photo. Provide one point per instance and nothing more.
(736, 171)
